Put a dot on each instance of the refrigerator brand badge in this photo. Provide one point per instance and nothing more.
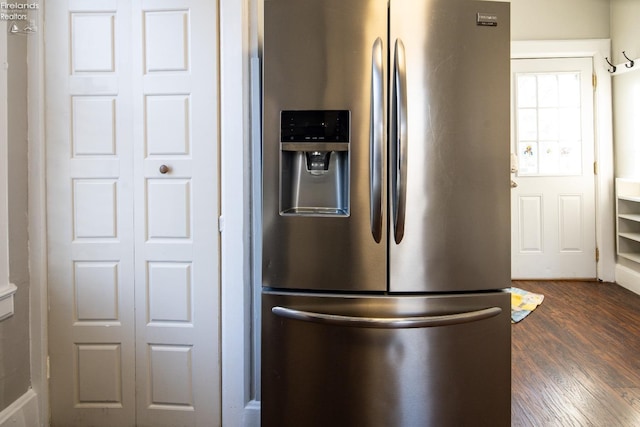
(487, 19)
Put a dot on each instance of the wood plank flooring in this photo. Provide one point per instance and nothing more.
(576, 358)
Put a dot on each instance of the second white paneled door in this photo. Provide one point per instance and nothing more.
(553, 205)
(132, 200)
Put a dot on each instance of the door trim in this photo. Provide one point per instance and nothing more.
(597, 49)
(239, 407)
(37, 218)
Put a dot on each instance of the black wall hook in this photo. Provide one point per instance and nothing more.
(613, 67)
(631, 62)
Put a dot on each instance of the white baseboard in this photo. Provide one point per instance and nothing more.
(251, 416)
(628, 278)
(22, 413)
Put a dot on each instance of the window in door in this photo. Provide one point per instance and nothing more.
(549, 137)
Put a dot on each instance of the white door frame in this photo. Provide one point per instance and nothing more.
(238, 408)
(597, 49)
(38, 291)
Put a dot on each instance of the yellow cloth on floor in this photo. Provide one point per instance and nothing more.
(523, 303)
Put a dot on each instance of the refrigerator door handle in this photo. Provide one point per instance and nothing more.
(399, 141)
(388, 322)
(376, 140)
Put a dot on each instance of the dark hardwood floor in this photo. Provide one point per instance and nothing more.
(576, 358)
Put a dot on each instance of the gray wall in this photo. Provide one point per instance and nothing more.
(559, 19)
(14, 332)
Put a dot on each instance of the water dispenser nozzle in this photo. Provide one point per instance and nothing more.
(318, 161)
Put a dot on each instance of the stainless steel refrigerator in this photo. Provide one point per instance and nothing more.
(385, 213)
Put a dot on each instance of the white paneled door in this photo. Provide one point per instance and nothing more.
(132, 191)
(553, 204)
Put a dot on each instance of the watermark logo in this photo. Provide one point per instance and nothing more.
(21, 16)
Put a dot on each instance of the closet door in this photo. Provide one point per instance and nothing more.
(176, 228)
(90, 213)
(133, 251)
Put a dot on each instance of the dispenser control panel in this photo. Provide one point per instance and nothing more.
(314, 126)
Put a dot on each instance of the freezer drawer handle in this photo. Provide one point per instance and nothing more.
(388, 322)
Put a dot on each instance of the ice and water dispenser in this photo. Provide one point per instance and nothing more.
(314, 162)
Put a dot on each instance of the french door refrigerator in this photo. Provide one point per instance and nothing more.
(385, 213)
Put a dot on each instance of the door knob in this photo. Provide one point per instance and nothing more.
(164, 169)
(513, 184)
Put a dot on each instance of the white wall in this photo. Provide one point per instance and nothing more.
(625, 36)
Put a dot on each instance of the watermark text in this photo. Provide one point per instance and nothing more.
(14, 11)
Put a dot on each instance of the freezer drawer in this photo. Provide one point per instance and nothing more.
(337, 360)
